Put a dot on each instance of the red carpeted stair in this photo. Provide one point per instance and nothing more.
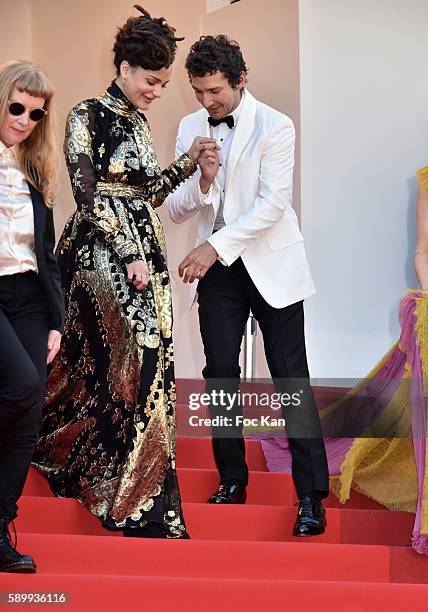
(239, 557)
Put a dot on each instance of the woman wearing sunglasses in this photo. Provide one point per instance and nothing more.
(31, 305)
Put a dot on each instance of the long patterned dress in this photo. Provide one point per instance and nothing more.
(108, 435)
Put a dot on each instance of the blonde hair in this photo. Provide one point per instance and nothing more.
(37, 154)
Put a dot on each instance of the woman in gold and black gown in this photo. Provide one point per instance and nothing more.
(108, 436)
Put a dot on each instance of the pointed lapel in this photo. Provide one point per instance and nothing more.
(244, 129)
(39, 211)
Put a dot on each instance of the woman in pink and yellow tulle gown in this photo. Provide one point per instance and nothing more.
(377, 433)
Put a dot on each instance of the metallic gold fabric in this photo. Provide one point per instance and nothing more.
(108, 435)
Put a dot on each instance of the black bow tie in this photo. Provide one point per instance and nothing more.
(229, 121)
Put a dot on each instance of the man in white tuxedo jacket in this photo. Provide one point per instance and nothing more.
(249, 256)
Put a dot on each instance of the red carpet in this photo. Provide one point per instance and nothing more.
(240, 557)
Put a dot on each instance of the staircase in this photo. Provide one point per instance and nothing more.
(239, 558)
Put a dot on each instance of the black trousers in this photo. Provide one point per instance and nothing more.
(23, 354)
(225, 296)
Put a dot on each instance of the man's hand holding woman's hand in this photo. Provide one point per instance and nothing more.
(201, 144)
(205, 152)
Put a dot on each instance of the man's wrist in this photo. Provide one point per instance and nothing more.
(212, 247)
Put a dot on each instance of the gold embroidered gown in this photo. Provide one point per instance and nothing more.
(108, 435)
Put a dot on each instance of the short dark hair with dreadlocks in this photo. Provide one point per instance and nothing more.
(145, 41)
(210, 54)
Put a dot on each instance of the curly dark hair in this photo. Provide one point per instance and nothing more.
(145, 41)
(210, 54)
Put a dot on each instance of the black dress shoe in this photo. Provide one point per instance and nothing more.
(310, 519)
(10, 559)
(229, 493)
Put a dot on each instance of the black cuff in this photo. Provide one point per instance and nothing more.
(130, 258)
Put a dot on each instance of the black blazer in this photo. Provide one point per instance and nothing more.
(49, 275)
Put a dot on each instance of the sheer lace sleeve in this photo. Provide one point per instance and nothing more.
(156, 190)
(99, 210)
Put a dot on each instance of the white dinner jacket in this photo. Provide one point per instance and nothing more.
(261, 224)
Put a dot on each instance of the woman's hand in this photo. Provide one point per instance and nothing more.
(201, 144)
(138, 274)
(209, 163)
(54, 342)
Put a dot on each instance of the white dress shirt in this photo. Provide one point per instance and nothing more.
(17, 252)
(223, 134)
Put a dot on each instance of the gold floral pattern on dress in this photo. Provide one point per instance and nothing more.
(108, 435)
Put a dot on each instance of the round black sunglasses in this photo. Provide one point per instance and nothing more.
(36, 114)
